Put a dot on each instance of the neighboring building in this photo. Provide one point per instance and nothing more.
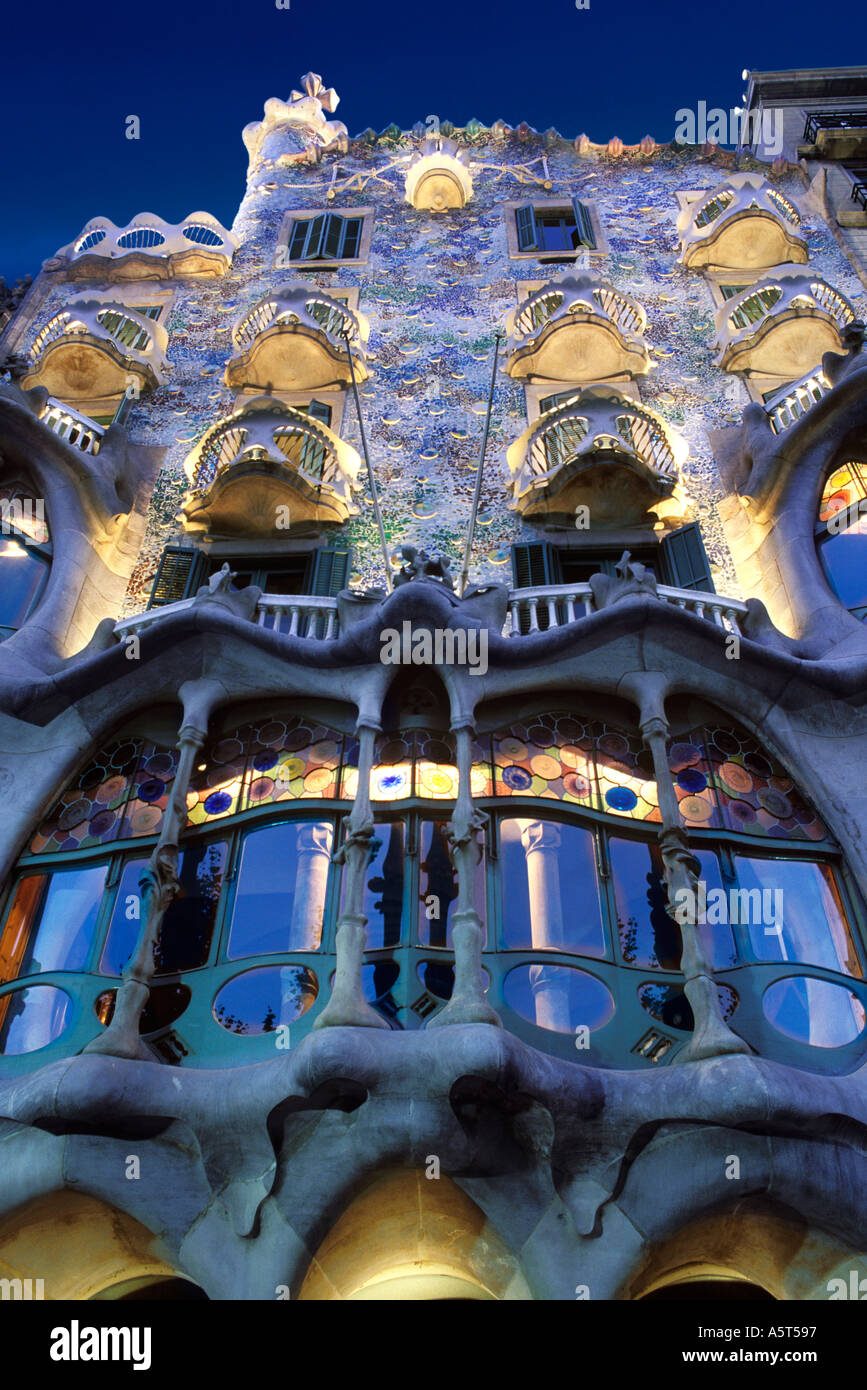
(534, 967)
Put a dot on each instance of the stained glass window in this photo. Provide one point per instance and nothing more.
(842, 535)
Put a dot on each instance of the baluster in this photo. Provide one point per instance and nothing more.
(293, 624)
(515, 613)
(332, 618)
(552, 612)
(588, 604)
(570, 607)
(534, 620)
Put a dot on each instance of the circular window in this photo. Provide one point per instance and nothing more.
(560, 998)
(261, 1000)
(669, 1005)
(32, 1018)
(812, 1011)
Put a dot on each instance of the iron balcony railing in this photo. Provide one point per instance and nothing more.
(529, 611)
(833, 120)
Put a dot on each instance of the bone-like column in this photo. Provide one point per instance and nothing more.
(159, 881)
(347, 1006)
(468, 1003)
(311, 880)
(711, 1036)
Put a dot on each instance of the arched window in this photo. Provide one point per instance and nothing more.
(25, 554)
(582, 951)
(841, 535)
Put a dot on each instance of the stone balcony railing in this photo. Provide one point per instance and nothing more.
(266, 467)
(297, 340)
(578, 328)
(743, 223)
(600, 449)
(529, 611)
(76, 429)
(782, 325)
(149, 248)
(91, 347)
(792, 402)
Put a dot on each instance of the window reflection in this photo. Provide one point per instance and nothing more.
(282, 883)
(793, 911)
(265, 998)
(558, 997)
(23, 573)
(817, 1012)
(549, 892)
(32, 1018)
(51, 922)
(649, 935)
(185, 937)
(438, 886)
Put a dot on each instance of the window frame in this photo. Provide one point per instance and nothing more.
(281, 259)
(511, 208)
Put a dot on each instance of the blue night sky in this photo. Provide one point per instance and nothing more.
(196, 73)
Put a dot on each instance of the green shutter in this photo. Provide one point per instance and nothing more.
(298, 239)
(583, 224)
(318, 410)
(316, 230)
(351, 238)
(535, 564)
(329, 571)
(335, 229)
(178, 576)
(685, 559)
(525, 224)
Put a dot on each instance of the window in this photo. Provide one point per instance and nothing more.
(25, 555)
(182, 571)
(841, 536)
(332, 237)
(678, 560)
(551, 229)
(570, 889)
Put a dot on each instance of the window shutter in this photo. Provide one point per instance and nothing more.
(335, 231)
(300, 231)
(315, 235)
(535, 564)
(351, 238)
(685, 559)
(583, 224)
(318, 410)
(525, 225)
(178, 576)
(329, 571)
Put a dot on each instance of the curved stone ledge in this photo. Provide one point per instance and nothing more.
(742, 224)
(149, 248)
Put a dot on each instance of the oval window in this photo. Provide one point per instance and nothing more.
(669, 1005)
(32, 1018)
(438, 977)
(816, 1012)
(558, 997)
(260, 1000)
(165, 1004)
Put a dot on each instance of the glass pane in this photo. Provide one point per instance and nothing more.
(558, 997)
(794, 912)
(21, 576)
(550, 897)
(88, 812)
(817, 1012)
(165, 1004)
(383, 886)
(438, 886)
(32, 1018)
(290, 759)
(844, 560)
(185, 938)
(263, 999)
(649, 935)
(282, 882)
(669, 1005)
(60, 924)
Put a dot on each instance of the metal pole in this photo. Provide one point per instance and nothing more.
(371, 483)
(498, 338)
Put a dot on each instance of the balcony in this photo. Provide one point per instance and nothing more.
(557, 605)
(577, 329)
(297, 340)
(742, 224)
(834, 135)
(438, 178)
(601, 450)
(793, 402)
(94, 348)
(73, 427)
(265, 469)
(782, 325)
(149, 249)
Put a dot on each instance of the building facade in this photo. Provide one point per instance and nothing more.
(432, 722)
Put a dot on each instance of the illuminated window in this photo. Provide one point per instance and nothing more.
(841, 536)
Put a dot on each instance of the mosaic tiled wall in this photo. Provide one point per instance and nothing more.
(434, 288)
